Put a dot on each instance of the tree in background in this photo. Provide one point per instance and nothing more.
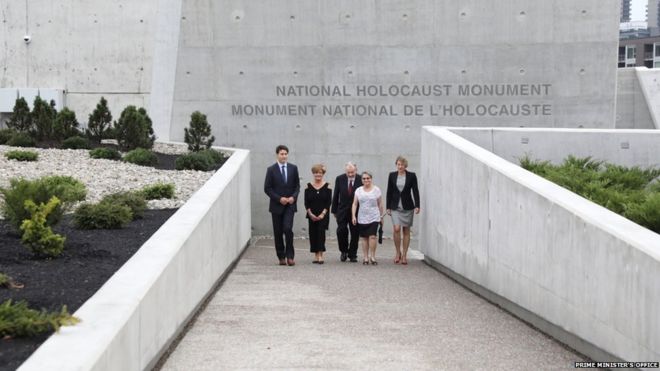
(20, 119)
(199, 136)
(66, 124)
(43, 117)
(134, 129)
(99, 121)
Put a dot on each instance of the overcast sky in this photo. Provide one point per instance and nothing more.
(638, 10)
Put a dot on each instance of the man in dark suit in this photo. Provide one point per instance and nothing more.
(282, 186)
(342, 200)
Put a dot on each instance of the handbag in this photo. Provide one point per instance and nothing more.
(380, 233)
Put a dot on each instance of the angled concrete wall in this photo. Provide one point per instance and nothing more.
(633, 110)
(581, 273)
(142, 307)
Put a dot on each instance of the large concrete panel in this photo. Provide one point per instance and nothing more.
(238, 56)
(87, 48)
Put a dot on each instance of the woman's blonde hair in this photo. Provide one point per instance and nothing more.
(403, 161)
(318, 168)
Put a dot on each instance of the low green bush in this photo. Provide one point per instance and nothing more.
(4, 280)
(134, 200)
(38, 237)
(67, 189)
(76, 142)
(22, 155)
(195, 161)
(218, 157)
(103, 215)
(106, 153)
(141, 156)
(158, 191)
(632, 192)
(21, 140)
(18, 320)
(5, 134)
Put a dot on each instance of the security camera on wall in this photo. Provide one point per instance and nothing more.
(27, 39)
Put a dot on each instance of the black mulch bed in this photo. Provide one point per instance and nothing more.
(89, 259)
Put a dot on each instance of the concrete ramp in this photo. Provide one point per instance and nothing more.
(346, 316)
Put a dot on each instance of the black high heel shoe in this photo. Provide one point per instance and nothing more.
(373, 261)
(365, 262)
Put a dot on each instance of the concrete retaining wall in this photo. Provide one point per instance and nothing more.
(580, 272)
(621, 147)
(136, 314)
(633, 108)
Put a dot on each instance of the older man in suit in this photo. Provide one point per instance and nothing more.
(282, 186)
(342, 200)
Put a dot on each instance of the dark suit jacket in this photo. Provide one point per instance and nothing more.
(275, 187)
(341, 201)
(410, 190)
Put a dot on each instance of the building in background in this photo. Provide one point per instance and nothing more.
(652, 15)
(625, 11)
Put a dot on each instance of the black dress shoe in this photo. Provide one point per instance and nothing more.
(343, 256)
(282, 262)
(353, 260)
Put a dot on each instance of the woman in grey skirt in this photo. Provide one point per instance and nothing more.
(402, 201)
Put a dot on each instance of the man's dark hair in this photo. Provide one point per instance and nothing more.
(281, 147)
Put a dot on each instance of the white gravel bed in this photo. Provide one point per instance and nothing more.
(103, 177)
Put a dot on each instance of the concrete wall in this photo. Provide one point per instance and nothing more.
(136, 314)
(89, 48)
(622, 147)
(235, 53)
(580, 272)
(632, 107)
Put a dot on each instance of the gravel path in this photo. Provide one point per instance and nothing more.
(102, 177)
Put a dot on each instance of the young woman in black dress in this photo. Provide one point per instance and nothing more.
(318, 197)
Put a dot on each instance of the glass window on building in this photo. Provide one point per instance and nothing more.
(631, 52)
(656, 46)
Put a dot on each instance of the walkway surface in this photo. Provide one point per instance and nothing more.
(346, 316)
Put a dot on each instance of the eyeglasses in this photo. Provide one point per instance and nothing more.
(366, 178)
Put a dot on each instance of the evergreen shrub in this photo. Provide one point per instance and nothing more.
(631, 192)
(158, 191)
(5, 134)
(65, 125)
(102, 215)
(134, 130)
(21, 139)
(38, 237)
(134, 200)
(198, 136)
(105, 153)
(22, 155)
(43, 118)
(99, 121)
(18, 320)
(67, 189)
(20, 118)
(141, 156)
(76, 142)
(195, 161)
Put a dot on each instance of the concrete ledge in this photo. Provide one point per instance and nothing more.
(561, 258)
(128, 323)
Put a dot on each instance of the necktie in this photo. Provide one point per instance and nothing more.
(350, 187)
(283, 173)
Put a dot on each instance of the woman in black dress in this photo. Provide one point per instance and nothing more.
(318, 197)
